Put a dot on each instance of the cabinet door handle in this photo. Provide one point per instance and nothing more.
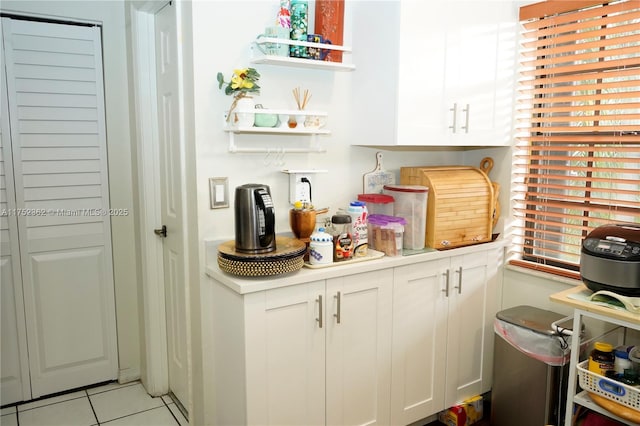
(319, 319)
(466, 119)
(446, 285)
(459, 286)
(338, 310)
(455, 114)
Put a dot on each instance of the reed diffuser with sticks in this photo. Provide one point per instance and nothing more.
(301, 102)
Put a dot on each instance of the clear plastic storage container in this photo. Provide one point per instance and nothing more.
(410, 202)
(386, 233)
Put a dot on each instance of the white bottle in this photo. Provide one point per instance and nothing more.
(320, 248)
(358, 212)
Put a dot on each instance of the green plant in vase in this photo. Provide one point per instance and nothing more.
(243, 83)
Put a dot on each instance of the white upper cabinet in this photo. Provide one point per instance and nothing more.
(434, 73)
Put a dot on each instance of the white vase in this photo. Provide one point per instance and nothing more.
(241, 117)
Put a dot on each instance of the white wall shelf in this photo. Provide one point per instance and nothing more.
(281, 128)
(259, 57)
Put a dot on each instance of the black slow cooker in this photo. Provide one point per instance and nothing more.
(610, 259)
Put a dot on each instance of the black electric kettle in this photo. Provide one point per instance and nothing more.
(254, 219)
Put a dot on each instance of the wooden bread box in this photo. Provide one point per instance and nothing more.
(460, 204)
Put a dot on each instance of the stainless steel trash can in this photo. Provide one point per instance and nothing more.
(529, 379)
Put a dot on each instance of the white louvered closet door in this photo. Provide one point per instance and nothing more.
(15, 362)
(56, 111)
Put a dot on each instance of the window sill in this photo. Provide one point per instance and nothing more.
(544, 275)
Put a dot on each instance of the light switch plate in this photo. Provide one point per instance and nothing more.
(219, 192)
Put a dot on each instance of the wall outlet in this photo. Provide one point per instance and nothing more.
(300, 188)
(303, 190)
(301, 184)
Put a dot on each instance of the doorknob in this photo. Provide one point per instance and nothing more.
(161, 232)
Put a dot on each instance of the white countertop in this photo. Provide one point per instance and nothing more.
(244, 285)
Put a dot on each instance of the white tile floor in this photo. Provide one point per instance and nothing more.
(112, 404)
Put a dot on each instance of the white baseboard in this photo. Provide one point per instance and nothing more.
(128, 375)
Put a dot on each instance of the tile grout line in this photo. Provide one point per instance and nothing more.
(175, 401)
(171, 411)
(95, 415)
(132, 414)
(44, 405)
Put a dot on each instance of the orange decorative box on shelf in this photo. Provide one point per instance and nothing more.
(460, 204)
(329, 22)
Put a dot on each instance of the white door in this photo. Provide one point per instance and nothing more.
(358, 321)
(172, 201)
(15, 365)
(58, 138)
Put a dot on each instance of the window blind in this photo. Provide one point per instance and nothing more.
(576, 160)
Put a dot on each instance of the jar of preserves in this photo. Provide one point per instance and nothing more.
(602, 358)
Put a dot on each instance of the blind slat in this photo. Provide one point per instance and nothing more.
(591, 179)
(564, 148)
(622, 106)
(611, 74)
(538, 186)
(587, 139)
(561, 68)
(591, 85)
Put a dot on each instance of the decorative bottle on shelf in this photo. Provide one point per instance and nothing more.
(299, 27)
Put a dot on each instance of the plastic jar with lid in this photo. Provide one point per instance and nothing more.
(358, 212)
(320, 248)
(378, 203)
(602, 358)
(342, 238)
(385, 233)
(622, 361)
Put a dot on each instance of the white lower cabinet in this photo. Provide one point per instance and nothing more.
(443, 313)
(390, 346)
(419, 341)
(473, 304)
(319, 353)
(358, 339)
(286, 355)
